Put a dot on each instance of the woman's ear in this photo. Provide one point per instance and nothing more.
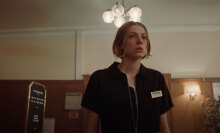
(123, 45)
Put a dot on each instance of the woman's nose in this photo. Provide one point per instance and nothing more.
(140, 40)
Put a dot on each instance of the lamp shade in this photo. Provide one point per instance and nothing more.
(119, 21)
(117, 14)
(118, 10)
(108, 16)
(135, 12)
(192, 89)
(135, 19)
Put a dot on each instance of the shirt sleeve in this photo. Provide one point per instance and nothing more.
(166, 101)
(91, 98)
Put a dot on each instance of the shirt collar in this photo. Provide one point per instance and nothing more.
(116, 72)
(143, 71)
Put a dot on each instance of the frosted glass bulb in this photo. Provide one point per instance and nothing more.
(119, 21)
(135, 12)
(118, 10)
(135, 19)
(108, 17)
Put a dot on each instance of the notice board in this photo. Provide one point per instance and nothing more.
(35, 108)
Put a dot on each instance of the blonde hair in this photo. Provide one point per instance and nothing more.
(118, 42)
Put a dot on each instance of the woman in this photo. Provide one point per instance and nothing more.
(128, 97)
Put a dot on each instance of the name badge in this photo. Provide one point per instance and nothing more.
(156, 94)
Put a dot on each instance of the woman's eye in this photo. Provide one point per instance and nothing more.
(131, 36)
(144, 37)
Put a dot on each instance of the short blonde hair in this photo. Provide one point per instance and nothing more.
(117, 44)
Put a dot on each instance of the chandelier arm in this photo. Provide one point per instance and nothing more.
(126, 12)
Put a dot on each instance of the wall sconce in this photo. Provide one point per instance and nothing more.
(192, 90)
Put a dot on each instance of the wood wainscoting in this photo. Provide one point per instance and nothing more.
(13, 99)
(188, 115)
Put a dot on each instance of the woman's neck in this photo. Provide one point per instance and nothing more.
(130, 67)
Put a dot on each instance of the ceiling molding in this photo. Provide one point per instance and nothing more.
(184, 28)
(200, 28)
(37, 32)
(91, 30)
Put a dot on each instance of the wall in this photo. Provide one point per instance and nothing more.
(188, 115)
(184, 54)
(72, 13)
(52, 55)
(96, 51)
(37, 55)
(13, 99)
(216, 90)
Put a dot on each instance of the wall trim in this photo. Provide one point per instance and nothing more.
(91, 30)
(37, 32)
(178, 28)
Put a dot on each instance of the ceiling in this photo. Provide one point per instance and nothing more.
(87, 14)
(157, 15)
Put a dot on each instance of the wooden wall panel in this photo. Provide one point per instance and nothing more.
(169, 113)
(13, 98)
(188, 114)
(85, 113)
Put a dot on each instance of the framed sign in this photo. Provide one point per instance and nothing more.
(49, 125)
(72, 101)
(35, 108)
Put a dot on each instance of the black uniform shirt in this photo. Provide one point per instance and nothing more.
(107, 94)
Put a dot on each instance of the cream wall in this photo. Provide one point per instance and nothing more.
(183, 54)
(53, 55)
(96, 51)
(44, 56)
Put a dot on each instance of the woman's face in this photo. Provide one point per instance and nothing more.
(135, 42)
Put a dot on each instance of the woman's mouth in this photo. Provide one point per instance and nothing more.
(139, 49)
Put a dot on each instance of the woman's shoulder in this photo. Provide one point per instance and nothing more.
(107, 72)
(152, 72)
(99, 73)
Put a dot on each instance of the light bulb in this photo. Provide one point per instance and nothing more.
(118, 10)
(135, 12)
(193, 94)
(108, 16)
(119, 21)
(135, 19)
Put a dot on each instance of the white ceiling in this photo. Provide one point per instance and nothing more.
(158, 15)
(24, 14)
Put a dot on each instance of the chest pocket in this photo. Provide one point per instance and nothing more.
(152, 98)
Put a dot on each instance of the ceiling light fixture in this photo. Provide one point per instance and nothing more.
(117, 14)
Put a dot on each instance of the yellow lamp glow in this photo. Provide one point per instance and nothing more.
(192, 90)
